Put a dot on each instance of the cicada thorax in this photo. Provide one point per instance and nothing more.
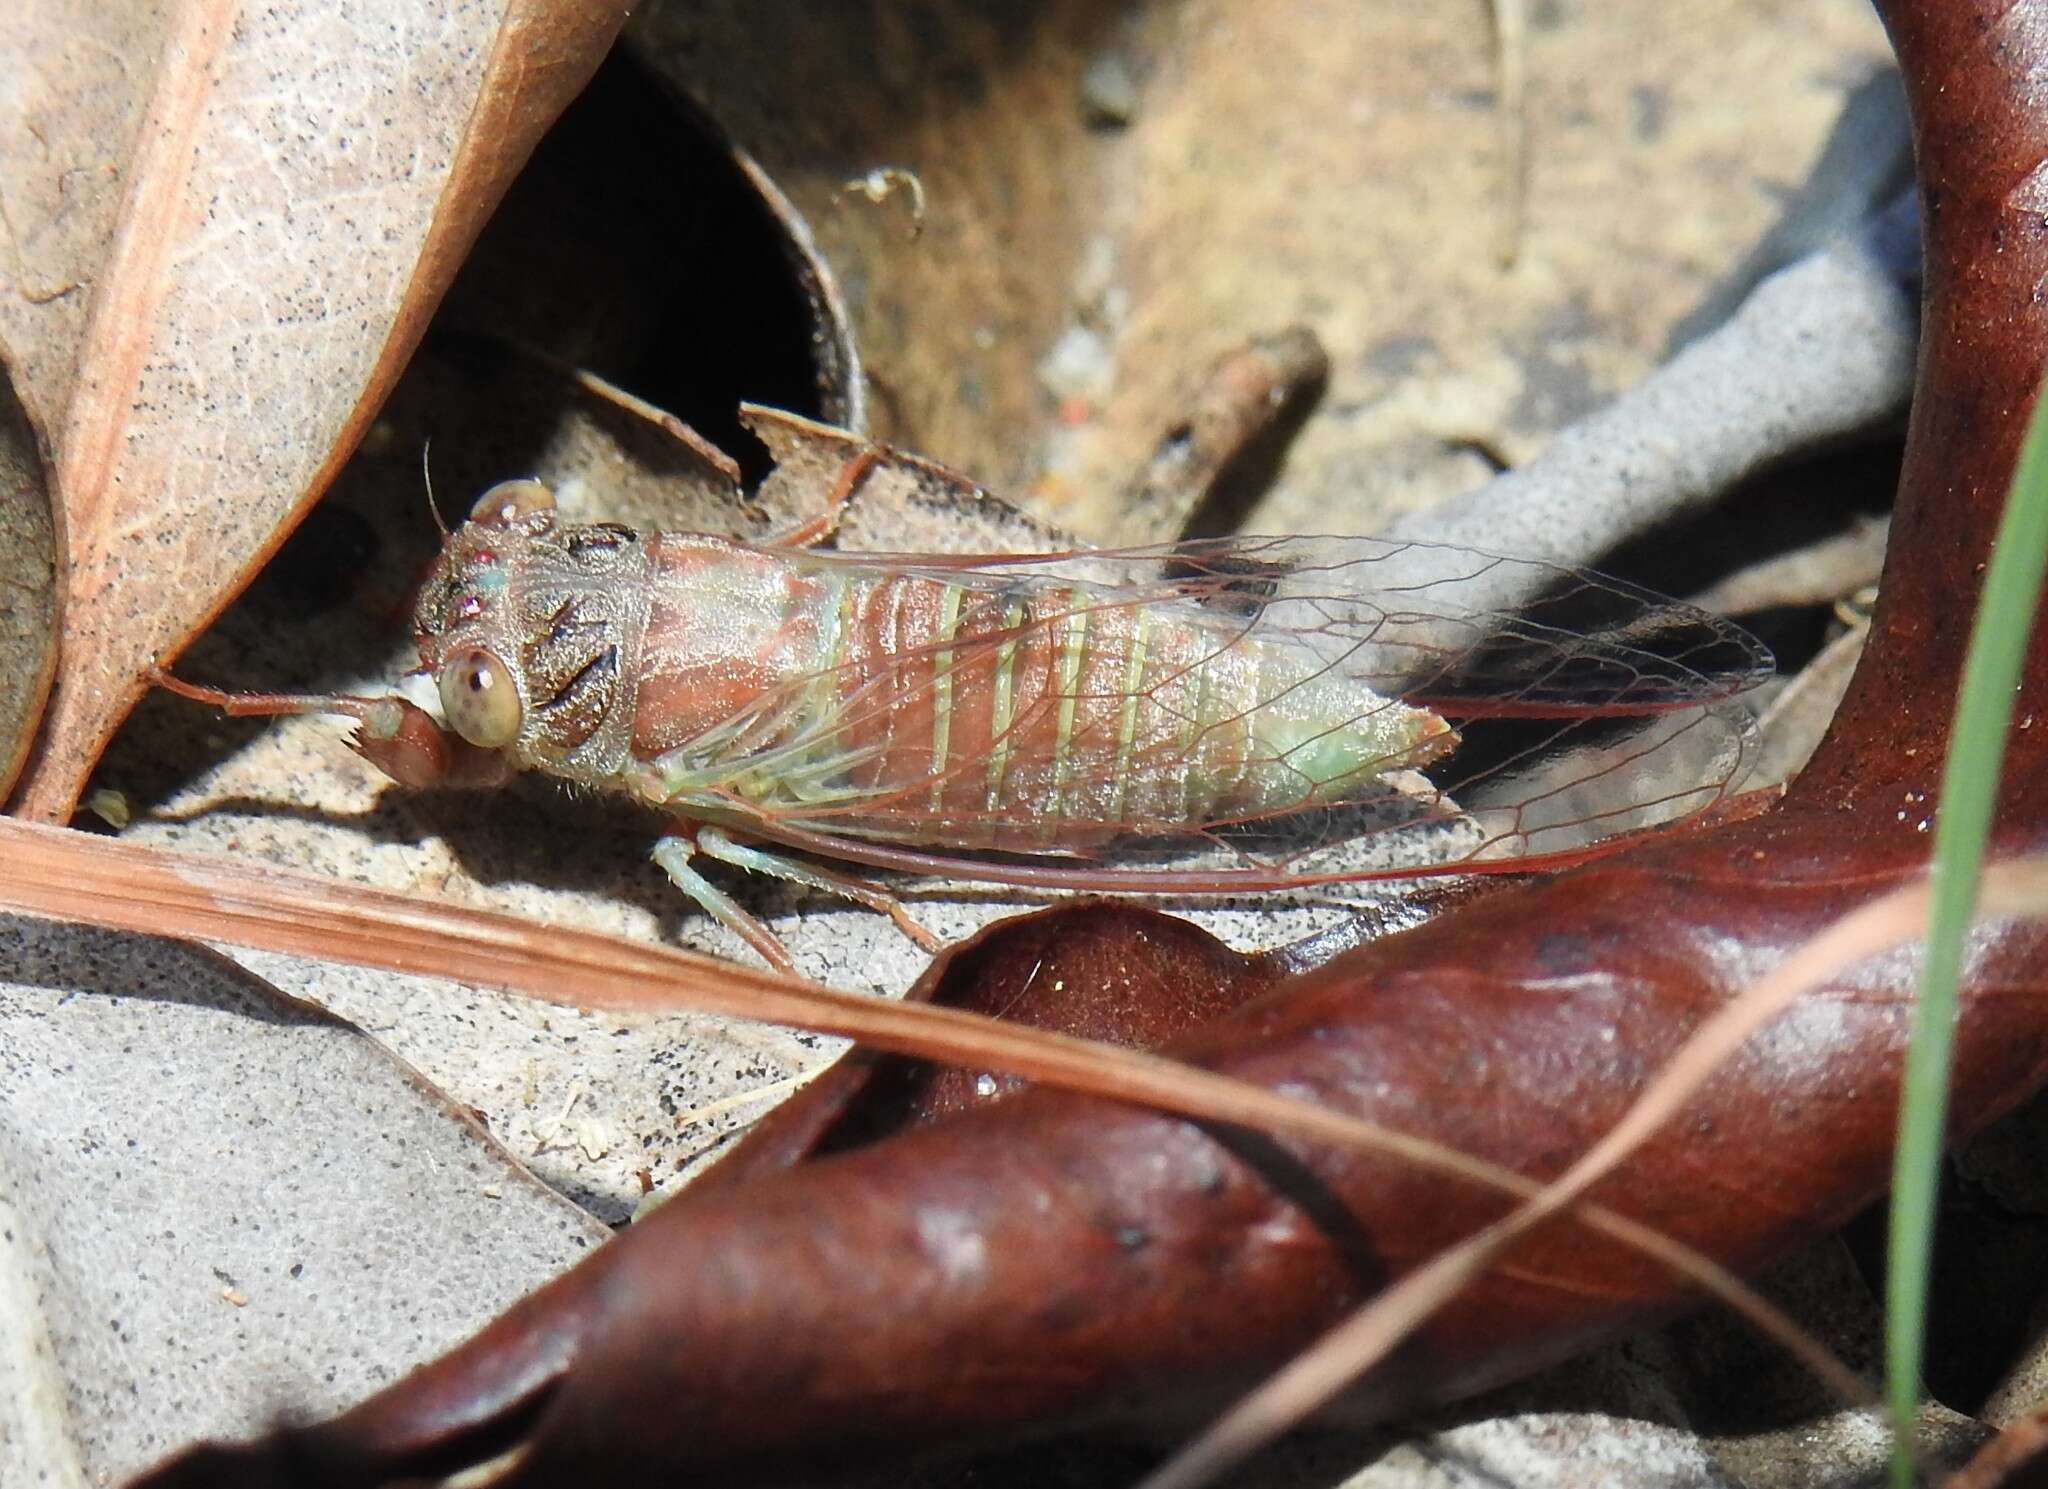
(736, 639)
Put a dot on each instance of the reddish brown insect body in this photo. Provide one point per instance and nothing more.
(966, 711)
(924, 711)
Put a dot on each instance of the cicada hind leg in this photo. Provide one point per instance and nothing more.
(686, 840)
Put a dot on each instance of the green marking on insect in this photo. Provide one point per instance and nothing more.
(999, 713)
(942, 691)
(1195, 726)
(1127, 717)
(1073, 648)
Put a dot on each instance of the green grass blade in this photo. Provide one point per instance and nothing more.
(1969, 785)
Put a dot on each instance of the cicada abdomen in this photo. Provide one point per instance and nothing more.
(996, 710)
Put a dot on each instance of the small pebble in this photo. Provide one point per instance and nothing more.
(1109, 93)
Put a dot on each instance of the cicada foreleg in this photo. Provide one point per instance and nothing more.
(398, 737)
(685, 840)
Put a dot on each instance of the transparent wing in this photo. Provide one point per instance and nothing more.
(1438, 624)
(1584, 706)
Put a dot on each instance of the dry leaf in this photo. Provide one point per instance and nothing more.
(28, 579)
(297, 1166)
(77, 77)
(302, 191)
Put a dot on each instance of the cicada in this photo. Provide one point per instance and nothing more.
(1208, 717)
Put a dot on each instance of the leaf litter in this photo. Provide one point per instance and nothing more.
(553, 859)
(277, 257)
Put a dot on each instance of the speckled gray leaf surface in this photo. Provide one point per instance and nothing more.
(218, 1205)
(28, 578)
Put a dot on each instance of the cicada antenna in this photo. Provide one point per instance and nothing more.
(427, 475)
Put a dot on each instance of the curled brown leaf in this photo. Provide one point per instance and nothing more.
(280, 249)
(28, 579)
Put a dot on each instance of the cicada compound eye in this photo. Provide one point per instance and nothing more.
(479, 700)
(508, 501)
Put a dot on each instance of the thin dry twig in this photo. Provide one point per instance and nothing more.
(1822, 350)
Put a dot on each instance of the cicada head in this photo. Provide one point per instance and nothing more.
(519, 625)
